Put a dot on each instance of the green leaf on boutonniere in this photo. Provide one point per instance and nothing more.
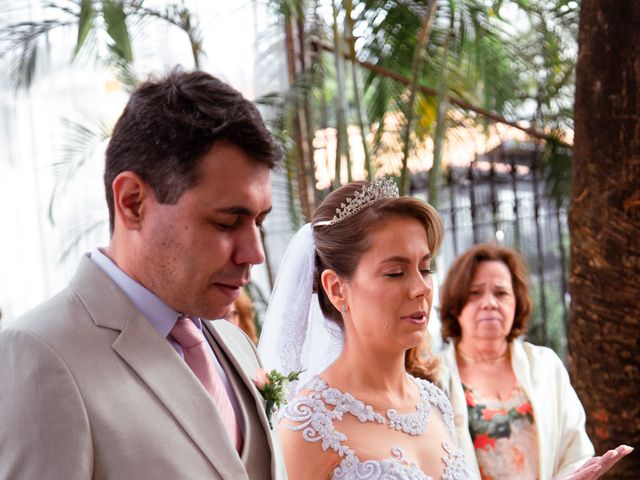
(273, 388)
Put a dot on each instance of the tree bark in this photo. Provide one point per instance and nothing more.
(604, 223)
(297, 125)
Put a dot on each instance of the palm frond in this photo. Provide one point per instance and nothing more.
(85, 24)
(22, 42)
(80, 142)
(177, 15)
(115, 20)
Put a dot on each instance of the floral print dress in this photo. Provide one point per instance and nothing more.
(504, 435)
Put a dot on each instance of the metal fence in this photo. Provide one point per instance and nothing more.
(501, 196)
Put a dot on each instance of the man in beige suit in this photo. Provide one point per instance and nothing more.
(95, 385)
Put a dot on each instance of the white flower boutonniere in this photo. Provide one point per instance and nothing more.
(273, 388)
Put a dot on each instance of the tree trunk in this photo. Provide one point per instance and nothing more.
(604, 222)
(439, 136)
(305, 110)
(342, 134)
(349, 24)
(419, 54)
(296, 118)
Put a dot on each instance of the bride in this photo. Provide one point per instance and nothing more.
(358, 414)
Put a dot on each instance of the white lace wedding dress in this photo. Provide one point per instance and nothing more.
(372, 445)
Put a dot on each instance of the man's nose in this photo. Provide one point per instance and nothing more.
(250, 249)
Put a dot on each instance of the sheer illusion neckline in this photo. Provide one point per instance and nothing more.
(315, 414)
(412, 422)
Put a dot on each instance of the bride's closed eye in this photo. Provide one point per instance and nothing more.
(423, 271)
(394, 274)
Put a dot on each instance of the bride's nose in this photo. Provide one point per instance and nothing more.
(421, 285)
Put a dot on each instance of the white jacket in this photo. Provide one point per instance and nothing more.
(563, 444)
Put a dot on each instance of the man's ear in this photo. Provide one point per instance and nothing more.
(335, 288)
(130, 193)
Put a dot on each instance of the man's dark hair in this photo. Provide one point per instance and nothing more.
(170, 123)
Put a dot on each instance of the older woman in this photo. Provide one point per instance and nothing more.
(516, 414)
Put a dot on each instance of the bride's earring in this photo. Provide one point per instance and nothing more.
(343, 308)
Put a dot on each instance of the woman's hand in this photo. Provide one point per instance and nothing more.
(597, 466)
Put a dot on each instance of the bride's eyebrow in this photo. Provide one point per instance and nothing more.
(401, 259)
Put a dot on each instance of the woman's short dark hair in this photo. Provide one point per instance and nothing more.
(170, 123)
(340, 246)
(454, 292)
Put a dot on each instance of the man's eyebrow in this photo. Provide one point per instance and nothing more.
(401, 259)
(243, 211)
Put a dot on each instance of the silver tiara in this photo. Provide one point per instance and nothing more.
(371, 193)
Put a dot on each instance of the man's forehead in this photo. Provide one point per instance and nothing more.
(235, 193)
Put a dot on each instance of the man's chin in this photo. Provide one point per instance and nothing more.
(211, 305)
(206, 312)
(217, 312)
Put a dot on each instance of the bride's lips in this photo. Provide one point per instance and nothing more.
(417, 318)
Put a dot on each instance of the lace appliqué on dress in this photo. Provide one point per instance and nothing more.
(316, 422)
(455, 464)
(352, 468)
(436, 397)
(412, 423)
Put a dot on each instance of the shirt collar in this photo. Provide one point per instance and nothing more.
(158, 313)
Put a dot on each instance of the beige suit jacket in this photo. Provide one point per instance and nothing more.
(90, 390)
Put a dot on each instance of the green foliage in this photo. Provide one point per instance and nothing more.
(85, 23)
(115, 20)
(548, 50)
(274, 391)
(555, 321)
(480, 57)
(511, 57)
(556, 166)
(92, 20)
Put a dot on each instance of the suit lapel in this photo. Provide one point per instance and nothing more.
(236, 386)
(160, 367)
(214, 328)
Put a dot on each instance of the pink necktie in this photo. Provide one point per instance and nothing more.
(199, 360)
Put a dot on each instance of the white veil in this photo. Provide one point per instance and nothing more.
(295, 334)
